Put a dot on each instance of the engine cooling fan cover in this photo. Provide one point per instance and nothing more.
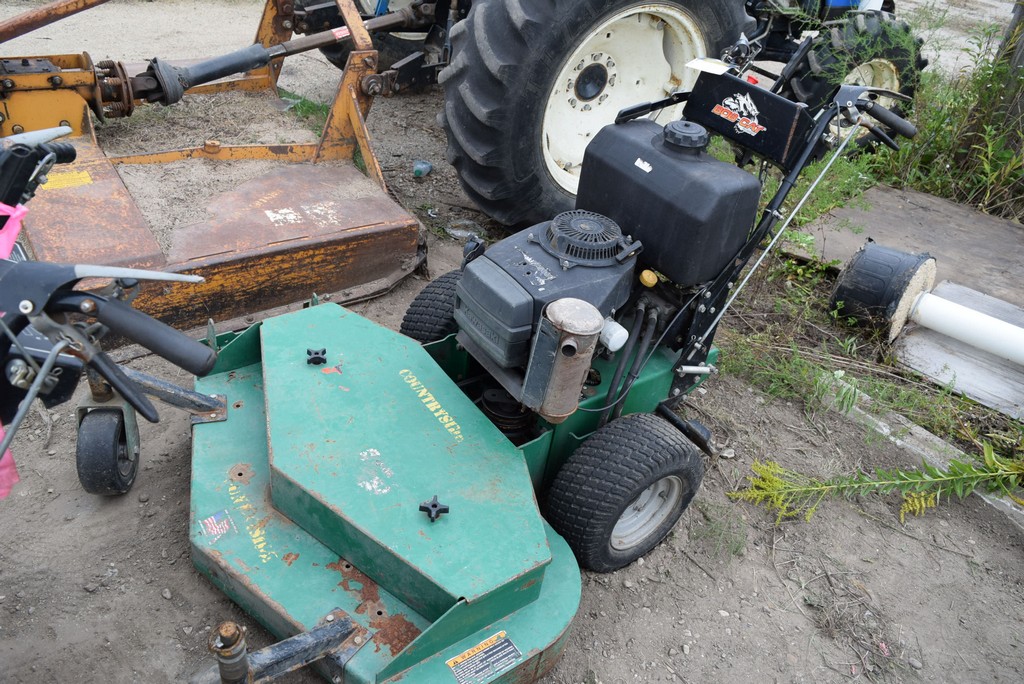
(585, 238)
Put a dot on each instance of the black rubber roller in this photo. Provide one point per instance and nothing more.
(879, 286)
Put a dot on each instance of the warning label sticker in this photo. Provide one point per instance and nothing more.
(69, 179)
(481, 663)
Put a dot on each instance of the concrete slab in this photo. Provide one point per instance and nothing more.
(973, 249)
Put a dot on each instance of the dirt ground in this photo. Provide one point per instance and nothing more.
(97, 589)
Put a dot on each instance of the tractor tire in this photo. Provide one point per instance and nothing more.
(431, 315)
(105, 465)
(871, 48)
(532, 81)
(623, 490)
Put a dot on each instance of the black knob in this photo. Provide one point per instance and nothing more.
(433, 508)
(686, 134)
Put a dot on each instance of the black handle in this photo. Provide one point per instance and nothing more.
(113, 374)
(176, 347)
(65, 152)
(890, 119)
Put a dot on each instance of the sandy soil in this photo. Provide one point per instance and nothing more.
(95, 589)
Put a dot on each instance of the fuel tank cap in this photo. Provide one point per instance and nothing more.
(686, 134)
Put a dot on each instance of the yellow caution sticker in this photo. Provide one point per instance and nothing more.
(483, 662)
(67, 179)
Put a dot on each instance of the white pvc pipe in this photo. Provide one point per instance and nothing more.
(969, 326)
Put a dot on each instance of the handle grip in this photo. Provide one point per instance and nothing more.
(162, 339)
(113, 374)
(65, 152)
(890, 119)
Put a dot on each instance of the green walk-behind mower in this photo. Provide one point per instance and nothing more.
(416, 507)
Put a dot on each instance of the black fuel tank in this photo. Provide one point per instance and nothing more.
(691, 211)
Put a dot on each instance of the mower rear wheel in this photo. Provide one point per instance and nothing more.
(431, 315)
(623, 490)
(531, 83)
(105, 464)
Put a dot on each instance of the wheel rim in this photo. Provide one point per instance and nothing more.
(878, 73)
(637, 55)
(125, 463)
(645, 514)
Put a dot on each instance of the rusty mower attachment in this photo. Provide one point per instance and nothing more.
(267, 244)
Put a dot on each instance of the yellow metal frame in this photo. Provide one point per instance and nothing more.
(36, 102)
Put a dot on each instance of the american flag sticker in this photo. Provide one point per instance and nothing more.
(217, 525)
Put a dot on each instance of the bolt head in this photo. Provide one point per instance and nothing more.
(25, 307)
(330, 618)
(358, 641)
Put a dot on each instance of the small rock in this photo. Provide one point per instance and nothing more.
(151, 512)
(143, 498)
(69, 517)
(915, 663)
(728, 631)
(91, 587)
(723, 613)
(51, 452)
(20, 594)
(727, 454)
(50, 490)
(673, 652)
(686, 649)
(187, 631)
(31, 610)
(166, 593)
(627, 584)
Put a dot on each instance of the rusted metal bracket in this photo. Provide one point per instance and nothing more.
(337, 636)
(204, 409)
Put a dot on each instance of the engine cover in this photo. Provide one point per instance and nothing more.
(502, 293)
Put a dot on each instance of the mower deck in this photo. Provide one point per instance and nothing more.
(328, 516)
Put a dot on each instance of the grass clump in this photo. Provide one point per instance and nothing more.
(969, 143)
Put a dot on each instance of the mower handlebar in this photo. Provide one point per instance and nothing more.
(160, 338)
(889, 118)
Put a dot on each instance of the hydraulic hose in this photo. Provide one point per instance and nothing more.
(620, 368)
(638, 361)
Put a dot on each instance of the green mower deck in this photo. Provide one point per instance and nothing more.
(306, 501)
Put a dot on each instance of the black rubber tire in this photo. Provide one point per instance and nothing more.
(506, 57)
(606, 474)
(104, 466)
(431, 315)
(863, 38)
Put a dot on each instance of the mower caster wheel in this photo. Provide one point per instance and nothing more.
(105, 464)
(431, 316)
(622, 491)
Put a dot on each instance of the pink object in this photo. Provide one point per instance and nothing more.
(9, 233)
(8, 473)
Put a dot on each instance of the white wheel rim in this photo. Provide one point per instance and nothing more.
(645, 514)
(637, 55)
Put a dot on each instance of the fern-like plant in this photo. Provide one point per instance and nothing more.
(795, 495)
